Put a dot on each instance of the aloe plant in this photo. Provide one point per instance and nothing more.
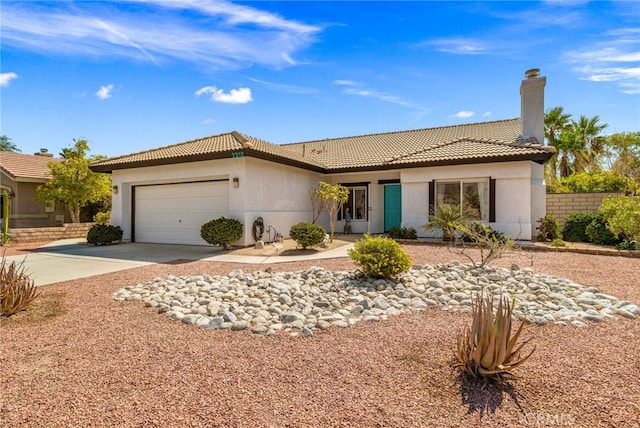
(487, 350)
(449, 218)
(17, 290)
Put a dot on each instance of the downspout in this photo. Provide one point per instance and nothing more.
(5, 212)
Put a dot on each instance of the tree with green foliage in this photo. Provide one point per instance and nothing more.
(623, 152)
(6, 145)
(332, 197)
(556, 121)
(623, 215)
(594, 181)
(73, 183)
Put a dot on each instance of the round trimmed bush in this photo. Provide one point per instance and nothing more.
(599, 233)
(221, 231)
(379, 257)
(307, 234)
(575, 227)
(101, 234)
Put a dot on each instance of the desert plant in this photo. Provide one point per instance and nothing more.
(490, 244)
(332, 198)
(403, 233)
(102, 234)
(558, 242)
(622, 214)
(549, 228)
(4, 238)
(487, 350)
(448, 218)
(221, 231)
(598, 232)
(307, 234)
(575, 227)
(102, 217)
(379, 257)
(17, 290)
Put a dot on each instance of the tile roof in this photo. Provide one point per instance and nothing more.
(18, 165)
(476, 142)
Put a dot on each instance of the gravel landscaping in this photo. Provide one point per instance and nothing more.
(95, 361)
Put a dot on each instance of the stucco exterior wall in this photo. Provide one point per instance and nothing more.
(26, 210)
(514, 196)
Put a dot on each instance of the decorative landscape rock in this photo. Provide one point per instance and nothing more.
(266, 302)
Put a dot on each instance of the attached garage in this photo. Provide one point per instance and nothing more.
(174, 213)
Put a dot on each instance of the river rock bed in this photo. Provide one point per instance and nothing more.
(266, 302)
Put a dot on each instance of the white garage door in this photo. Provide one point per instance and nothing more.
(174, 213)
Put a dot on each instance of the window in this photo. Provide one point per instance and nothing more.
(472, 195)
(356, 204)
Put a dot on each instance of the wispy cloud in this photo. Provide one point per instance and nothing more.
(208, 121)
(285, 87)
(218, 33)
(234, 96)
(457, 45)
(6, 78)
(614, 59)
(105, 91)
(358, 89)
(463, 114)
(487, 113)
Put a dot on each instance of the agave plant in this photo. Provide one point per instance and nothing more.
(487, 350)
(17, 290)
(449, 218)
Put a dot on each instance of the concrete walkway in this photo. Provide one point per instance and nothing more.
(68, 259)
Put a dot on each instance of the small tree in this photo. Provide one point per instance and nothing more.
(316, 204)
(6, 145)
(73, 183)
(623, 215)
(333, 197)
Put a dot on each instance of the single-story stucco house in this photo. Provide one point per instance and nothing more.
(20, 176)
(164, 195)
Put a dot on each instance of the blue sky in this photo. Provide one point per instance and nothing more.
(135, 75)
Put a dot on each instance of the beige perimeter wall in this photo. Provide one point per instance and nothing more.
(560, 205)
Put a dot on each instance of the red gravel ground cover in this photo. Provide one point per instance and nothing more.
(78, 358)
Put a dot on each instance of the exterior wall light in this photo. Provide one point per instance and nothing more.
(115, 190)
(236, 182)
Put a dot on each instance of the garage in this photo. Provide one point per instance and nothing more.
(174, 213)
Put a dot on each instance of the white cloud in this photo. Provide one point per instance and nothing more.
(105, 91)
(463, 114)
(458, 45)
(612, 60)
(5, 78)
(235, 96)
(345, 83)
(208, 121)
(217, 34)
(487, 113)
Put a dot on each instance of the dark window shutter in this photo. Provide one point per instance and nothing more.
(432, 197)
(492, 199)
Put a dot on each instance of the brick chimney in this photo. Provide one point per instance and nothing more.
(44, 152)
(532, 105)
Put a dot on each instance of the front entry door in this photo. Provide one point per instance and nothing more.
(392, 206)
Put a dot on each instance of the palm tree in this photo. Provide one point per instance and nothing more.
(555, 122)
(591, 143)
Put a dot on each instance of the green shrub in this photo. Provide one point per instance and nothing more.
(403, 233)
(628, 245)
(307, 234)
(102, 217)
(221, 231)
(549, 228)
(380, 257)
(622, 214)
(476, 229)
(596, 181)
(4, 238)
(598, 232)
(449, 218)
(17, 290)
(101, 234)
(575, 227)
(558, 242)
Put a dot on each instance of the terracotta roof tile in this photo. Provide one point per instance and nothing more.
(484, 141)
(18, 165)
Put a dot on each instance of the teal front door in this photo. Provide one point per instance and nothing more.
(392, 206)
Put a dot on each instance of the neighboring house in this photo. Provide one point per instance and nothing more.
(20, 175)
(164, 195)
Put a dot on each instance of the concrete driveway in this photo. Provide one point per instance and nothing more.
(69, 259)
